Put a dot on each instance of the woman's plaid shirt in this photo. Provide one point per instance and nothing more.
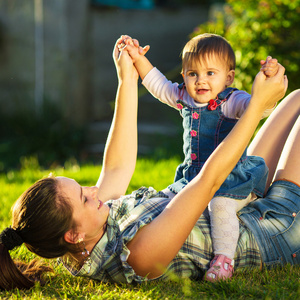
(108, 260)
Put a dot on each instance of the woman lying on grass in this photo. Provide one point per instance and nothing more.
(100, 234)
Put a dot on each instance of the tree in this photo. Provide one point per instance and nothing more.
(256, 29)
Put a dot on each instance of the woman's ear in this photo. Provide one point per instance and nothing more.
(72, 237)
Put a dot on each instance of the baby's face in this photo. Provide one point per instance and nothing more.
(205, 79)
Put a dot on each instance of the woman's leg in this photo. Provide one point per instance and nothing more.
(270, 139)
(289, 164)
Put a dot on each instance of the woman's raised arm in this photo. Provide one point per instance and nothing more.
(156, 244)
(121, 145)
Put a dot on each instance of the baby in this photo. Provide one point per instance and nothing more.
(210, 108)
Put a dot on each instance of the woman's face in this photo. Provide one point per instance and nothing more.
(89, 213)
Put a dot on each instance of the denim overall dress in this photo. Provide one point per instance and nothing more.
(204, 130)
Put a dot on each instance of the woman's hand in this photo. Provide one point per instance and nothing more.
(123, 62)
(267, 91)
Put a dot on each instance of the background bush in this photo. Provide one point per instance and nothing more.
(47, 139)
(256, 29)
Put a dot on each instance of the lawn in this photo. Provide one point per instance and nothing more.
(275, 284)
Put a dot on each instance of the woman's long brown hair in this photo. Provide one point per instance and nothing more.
(42, 215)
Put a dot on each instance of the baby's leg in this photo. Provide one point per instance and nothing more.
(225, 224)
(224, 234)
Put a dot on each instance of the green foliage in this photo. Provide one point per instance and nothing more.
(256, 29)
(47, 137)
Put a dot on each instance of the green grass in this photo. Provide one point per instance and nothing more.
(280, 283)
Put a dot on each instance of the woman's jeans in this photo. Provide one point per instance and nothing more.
(275, 223)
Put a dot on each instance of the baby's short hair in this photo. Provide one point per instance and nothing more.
(203, 45)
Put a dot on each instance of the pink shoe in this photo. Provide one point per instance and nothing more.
(221, 267)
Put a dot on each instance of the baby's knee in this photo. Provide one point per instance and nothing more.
(222, 203)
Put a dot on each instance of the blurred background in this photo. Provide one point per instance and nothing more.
(58, 81)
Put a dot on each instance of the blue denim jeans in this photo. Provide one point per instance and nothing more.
(275, 223)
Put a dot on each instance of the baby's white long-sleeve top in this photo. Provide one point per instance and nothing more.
(168, 92)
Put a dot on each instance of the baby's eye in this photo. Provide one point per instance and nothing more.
(210, 73)
(85, 199)
(192, 74)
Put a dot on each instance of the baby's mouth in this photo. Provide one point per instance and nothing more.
(201, 91)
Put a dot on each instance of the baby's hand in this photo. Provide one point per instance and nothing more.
(124, 41)
(269, 66)
(133, 48)
(142, 50)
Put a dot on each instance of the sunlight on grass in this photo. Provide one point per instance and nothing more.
(158, 174)
(248, 284)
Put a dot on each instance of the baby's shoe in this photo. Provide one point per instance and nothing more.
(221, 267)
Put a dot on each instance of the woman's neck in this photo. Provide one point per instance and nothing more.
(81, 256)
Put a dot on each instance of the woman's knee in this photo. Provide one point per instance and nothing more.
(294, 99)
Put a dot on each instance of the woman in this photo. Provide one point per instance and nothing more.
(146, 233)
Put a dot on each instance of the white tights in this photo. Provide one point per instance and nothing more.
(225, 224)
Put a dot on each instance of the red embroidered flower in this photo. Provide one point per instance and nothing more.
(180, 106)
(193, 156)
(195, 116)
(193, 133)
(212, 104)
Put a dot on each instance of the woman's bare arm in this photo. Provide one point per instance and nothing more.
(156, 244)
(121, 146)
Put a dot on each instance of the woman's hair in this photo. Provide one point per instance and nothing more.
(203, 46)
(41, 217)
